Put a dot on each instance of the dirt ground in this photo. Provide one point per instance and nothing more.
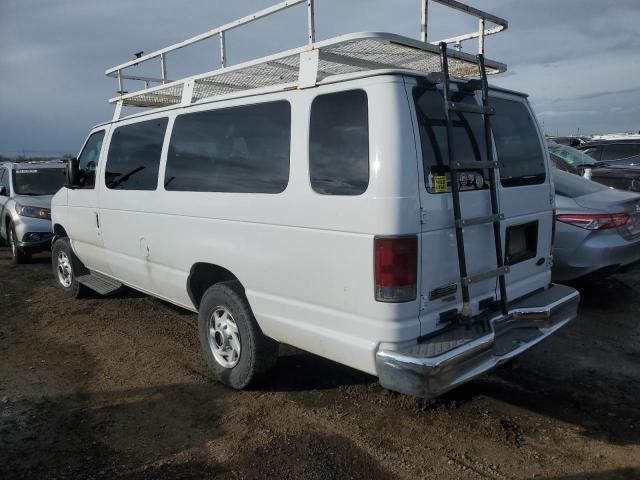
(114, 388)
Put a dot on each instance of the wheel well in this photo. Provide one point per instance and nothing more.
(59, 231)
(203, 276)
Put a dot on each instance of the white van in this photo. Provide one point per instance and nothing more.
(321, 213)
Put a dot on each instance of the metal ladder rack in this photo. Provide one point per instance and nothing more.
(301, 67)
(455, 167)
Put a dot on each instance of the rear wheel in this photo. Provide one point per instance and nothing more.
(18, 256)
(65, 269)
(232, 343)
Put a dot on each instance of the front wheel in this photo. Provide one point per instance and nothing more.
(65, 269)
(18, 256)
(232, 343)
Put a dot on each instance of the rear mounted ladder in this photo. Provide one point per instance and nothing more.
(455, 167)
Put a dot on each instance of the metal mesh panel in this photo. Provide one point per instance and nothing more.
(268, 74)
(340, 57)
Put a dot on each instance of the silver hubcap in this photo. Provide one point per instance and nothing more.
(224, 338)
(65, 274)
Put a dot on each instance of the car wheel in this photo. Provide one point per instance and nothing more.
(65, 269)
(232, 343)
(18, 256)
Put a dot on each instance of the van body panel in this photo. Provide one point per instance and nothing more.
(82, 219)
(520, 205)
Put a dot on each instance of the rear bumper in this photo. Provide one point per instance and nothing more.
(417, 370)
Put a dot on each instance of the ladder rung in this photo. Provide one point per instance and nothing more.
(466, 281)
(470, 108)
(473, 165)
(470, 222)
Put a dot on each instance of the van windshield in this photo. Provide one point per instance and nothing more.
(518, 147)
(43, 181)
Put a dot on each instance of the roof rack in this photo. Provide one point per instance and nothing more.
(305, 66)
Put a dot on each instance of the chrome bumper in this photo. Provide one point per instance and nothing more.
(416, 370)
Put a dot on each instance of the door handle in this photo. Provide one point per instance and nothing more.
(97, 221)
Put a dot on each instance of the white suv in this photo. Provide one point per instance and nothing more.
(329, 218)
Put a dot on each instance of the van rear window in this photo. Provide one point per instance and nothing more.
(518, 147)
(520, 153)
(468, 134)
(241, 149)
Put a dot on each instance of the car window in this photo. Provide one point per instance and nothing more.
(4, 180)
(562, 164)
(88, 159)
(339, 143)
(574, 186)
(468, 134)
(134, 156)
(244, 149)
(593, 152)
(38, 181)
(620, 150)
(572, 156)
(520, 153)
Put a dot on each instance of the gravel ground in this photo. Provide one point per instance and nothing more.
(114, 388)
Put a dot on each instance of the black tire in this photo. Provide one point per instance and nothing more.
(258, 353)
(62, 249)
(18, 256)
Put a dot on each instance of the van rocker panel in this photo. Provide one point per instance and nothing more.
(415, 370)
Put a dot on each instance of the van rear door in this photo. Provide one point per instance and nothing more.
(524, 196)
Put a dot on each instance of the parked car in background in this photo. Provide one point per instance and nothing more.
(615, 148)
(620, 174)
(571, 159)
(597, 228)
(26, 190)
(570, 141)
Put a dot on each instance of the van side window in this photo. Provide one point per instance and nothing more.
(88, 160)
(339, 143)
(518, 145)
(134, 156)
(242, 149)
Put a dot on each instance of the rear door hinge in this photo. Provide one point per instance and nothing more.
(423, 303)
(423, 216)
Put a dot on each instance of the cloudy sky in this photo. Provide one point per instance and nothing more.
(578, 59)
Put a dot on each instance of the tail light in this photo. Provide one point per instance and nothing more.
(396, 268)
(595, 221)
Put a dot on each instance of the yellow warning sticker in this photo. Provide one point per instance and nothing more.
(440, 184)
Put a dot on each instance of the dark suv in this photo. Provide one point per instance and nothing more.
(611, 149)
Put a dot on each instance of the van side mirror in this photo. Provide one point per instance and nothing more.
(73, 174)
(3, 192)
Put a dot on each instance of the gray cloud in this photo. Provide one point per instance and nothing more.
(572, 56)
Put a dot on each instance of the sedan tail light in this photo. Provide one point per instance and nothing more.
(595, 221)
(396, 268)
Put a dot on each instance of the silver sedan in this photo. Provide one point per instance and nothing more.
(597, 228)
